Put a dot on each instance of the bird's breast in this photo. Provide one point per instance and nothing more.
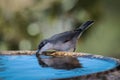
(64, 46)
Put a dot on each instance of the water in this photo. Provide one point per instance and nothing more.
(26, 67)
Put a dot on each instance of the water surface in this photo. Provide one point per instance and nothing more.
(26, 67)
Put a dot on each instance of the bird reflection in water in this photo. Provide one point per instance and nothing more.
(65, 62)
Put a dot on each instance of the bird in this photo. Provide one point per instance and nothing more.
(65, 41)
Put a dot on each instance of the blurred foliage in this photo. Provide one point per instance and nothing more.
(24, 23)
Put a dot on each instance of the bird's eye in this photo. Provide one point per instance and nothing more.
(42, 44)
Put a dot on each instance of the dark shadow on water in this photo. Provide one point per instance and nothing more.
(65, 62)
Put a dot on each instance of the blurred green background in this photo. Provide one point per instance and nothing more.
(24, 23)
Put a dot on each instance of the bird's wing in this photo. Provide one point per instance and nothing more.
(69, 35)
(63, 37)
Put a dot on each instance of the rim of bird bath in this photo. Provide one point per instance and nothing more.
(72, 54)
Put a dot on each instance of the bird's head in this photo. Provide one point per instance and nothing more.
(40, 46)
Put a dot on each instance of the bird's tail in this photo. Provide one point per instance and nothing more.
(83, 27)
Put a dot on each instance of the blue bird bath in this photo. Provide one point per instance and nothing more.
(26, 67)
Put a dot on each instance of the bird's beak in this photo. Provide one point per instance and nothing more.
(37, 52)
